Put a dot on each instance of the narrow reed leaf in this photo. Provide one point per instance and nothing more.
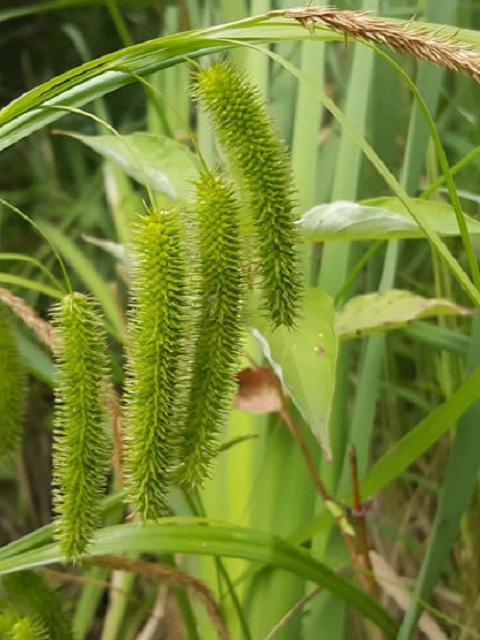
(38, 607)
(80, 445)
(155, 353)
(12, 389)
(218, 345)
(187, 536)
(259, 161)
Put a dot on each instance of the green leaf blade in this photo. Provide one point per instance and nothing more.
(387, 310)
(379, 219)
(151, 159)
(304, 360)
(220, 541)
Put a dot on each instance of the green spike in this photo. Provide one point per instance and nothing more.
(13, 382)
(218, 344)
(260, 164)
(15, 626)
(81, 450)
(155, 354)
(36, 610)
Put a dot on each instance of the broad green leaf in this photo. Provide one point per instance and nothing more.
(379, 219)
(379, 312)
(304, 360)
(151, 159)
(220, 541)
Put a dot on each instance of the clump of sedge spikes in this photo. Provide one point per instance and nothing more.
(80, 443)
(165, 430)
(260, 165)
(155, 354)
(12, 389)
(217, 349)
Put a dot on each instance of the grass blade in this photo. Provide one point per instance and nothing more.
(217, 541)
(461, 476)
(421, 437)
(86, 272)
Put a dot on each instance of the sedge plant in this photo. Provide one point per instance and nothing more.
(196, 267)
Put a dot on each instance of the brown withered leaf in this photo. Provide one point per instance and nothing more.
(258, 391)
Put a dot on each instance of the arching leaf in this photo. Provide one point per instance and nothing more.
(151, 159)
(379, 219)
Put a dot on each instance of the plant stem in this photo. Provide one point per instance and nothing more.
(326, 497)
(358, 513)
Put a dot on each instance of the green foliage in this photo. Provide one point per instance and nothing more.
(379, 219)
(314, 344)
(185, 536)
(32, 609)
(158, 162)
(391, 309)
(155, 352)
(12, 389)
(80, 444)
(218, 344)
(259, 161)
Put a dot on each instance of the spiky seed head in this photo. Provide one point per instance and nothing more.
(156, 335)
(80, 447)
(217, 348)
(260, 164)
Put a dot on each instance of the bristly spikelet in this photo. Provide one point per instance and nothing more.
(12, 389)
(155, 354)
(259, 161)
(81, 450)
(218, 343)
(37, 610)
(15, 626)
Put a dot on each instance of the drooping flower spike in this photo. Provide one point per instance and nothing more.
(12, 389)
(157, 326)
(259, 164)
(216, 354)
(81, 446)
